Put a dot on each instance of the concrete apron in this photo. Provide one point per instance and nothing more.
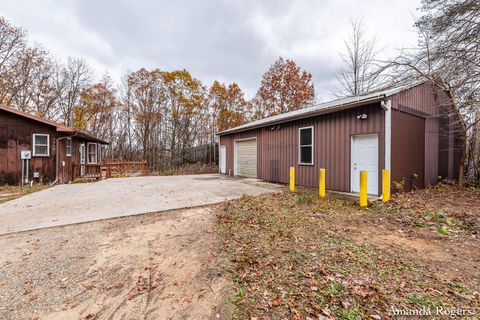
(119, 197)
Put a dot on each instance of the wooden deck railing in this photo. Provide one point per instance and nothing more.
(116, 168)
(108, 169)
(87, 170)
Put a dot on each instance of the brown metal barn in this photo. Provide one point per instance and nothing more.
(404, 129)
(50, 147)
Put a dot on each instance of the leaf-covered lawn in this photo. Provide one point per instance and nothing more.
(298, 256)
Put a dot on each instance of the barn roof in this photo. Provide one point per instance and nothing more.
(59, 127)
(326, 107)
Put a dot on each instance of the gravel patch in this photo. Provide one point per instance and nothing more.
(143, 266)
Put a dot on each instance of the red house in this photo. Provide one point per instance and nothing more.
(48, 149)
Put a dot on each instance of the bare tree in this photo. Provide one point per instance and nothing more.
(358, 74)
(12, 40)
(155, 115)
(77, 75)
(447, 56)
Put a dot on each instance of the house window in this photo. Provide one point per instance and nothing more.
(41, 145)
(68, 147)
(91, 152)
(305, 152)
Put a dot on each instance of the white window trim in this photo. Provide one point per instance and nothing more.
(88, 153)
(34, 144)
(68, 154)
(307, 145)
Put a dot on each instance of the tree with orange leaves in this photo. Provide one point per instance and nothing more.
(228, 105)
(284, 87)
(95, 111)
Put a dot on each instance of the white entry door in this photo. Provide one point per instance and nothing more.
(364, 157)
(82, 159)
(222, 161)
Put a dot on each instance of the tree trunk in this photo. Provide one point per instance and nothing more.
(463, 158)
(463, 133)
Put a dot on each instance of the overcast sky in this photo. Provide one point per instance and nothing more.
(215, 40)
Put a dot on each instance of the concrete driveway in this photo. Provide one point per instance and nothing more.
(111, 198)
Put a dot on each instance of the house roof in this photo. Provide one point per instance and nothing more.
(59, 127)
(326, 107)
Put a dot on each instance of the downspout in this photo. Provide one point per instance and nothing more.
(387, 106)
(57, 152)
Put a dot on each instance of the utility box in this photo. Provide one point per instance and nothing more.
(25, 155)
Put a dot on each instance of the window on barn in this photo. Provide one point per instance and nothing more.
(68, 147)
(91, 152)
(41, 145)
(305, 152)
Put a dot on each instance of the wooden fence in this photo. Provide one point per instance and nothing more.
(117, 168)
(108, 169)
(87, 170)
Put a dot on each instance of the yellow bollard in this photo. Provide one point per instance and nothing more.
(292, 179)
(385, 185)
(363, 189)
(321, 188)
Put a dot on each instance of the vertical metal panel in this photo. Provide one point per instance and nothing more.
(420, 101)
(440, 150)
(332, 132)
(408, 149)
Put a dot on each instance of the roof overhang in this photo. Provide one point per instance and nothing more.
(59, 127)
(306, 114)
(91, 138)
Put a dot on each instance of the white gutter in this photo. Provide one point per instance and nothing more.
(387, 106)
(388, 135)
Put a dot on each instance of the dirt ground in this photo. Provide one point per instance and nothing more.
(155, 266)
(279, 255)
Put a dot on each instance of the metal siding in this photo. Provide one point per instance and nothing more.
(436, 151)
(419, 101)
(332, 134)
(408, 149)
(439, 150)
(228, 142)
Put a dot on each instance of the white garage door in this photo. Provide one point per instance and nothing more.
(246, 158)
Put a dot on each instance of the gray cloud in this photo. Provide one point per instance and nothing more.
(224, 40)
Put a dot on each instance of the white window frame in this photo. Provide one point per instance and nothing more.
(88, 153)
(99, 153)
(67, 153)
(306, 145)
(34, 144)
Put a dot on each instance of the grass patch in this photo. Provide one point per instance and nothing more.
(286, 261)
(436, 208)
